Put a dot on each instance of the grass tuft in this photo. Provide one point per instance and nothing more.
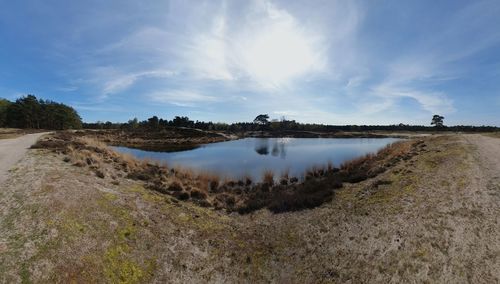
(268, 177)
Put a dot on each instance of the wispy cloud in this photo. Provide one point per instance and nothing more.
(114, 81)
(413, 79)
(181, 98)
(433, 102)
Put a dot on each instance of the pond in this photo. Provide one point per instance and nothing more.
(253, 156)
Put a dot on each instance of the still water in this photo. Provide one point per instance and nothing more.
(252, 156)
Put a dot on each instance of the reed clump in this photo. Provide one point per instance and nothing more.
(268, 177)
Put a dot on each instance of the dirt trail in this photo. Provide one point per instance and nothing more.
(487, 171)
(489, 150)
(12, 150)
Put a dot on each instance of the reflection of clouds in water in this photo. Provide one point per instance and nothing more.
(284, 140)
(283, 149)
(279, 148)
(275, 149)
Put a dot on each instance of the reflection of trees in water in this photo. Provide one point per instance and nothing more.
(278, 149)
(262, 146)
(262, 150)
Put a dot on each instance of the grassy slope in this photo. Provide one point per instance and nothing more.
(414, 222)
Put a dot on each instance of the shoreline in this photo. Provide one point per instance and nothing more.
(171, 141)
(208, 190)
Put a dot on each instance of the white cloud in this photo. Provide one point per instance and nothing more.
(433, 102)
(278, 49)
(144, 40)
(207, 54)
(414, 77)
(99, 108)
(286, 113)
(269, 47)
(114, 82)
(375, 105)
(181, 98)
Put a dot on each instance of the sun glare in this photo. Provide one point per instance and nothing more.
(277, 55)
(270, 48)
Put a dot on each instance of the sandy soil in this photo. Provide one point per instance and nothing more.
(12, 150)
(433, 218)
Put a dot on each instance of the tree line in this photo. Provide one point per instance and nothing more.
(262, 123)
(30, 112)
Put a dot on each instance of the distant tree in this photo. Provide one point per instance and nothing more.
(262, 123)
(261, 119)
(182, 121)
(153, 122)
(4, 105)
(163, 123)
(133, 123)
(437, 120)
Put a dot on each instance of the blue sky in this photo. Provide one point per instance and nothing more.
(336, 62)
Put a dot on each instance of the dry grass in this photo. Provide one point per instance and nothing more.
(493, 134)
(91, 142)
(370, 165)
(329, 166)
(268, 177)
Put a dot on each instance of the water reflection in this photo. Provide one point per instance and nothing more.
(278, 149)
(251, 156)
(262, 146)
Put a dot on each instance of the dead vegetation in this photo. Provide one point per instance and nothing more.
(207, 190)
(493, 134)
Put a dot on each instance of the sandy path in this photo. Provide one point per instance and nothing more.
(489, 150)
(487, 172)
(12, 150)
(483, 199)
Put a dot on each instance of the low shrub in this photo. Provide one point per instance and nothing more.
(99, 173)
(175, 186)
(198, 194)
(181, 195)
